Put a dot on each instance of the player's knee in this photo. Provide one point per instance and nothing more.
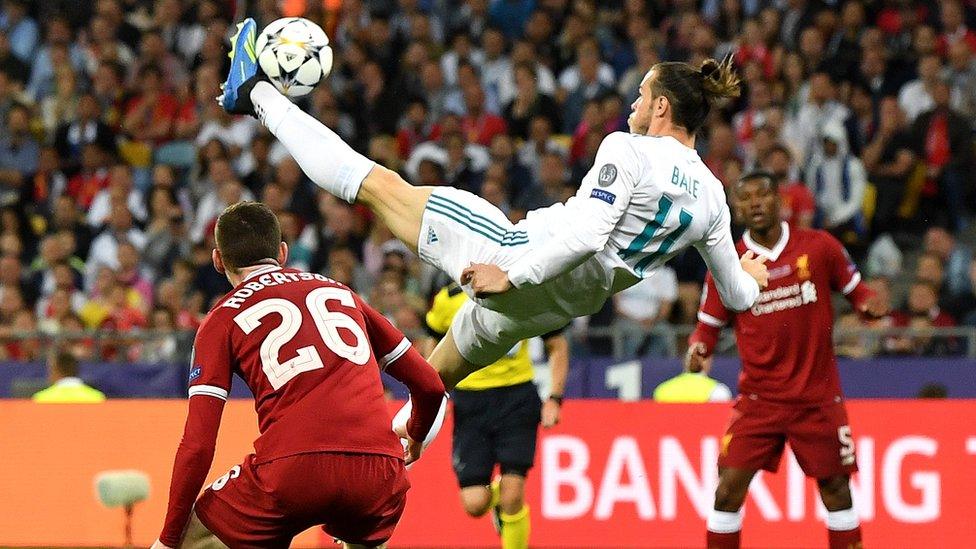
(512, 501)
(835, 492)
(475, 500)
(730, 495)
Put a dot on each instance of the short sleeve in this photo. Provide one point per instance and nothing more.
(844, 276)
(711, 311)
(211, 362)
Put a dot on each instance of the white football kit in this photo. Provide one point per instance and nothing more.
(645, 199)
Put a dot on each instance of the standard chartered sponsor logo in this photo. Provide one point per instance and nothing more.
(785, 297)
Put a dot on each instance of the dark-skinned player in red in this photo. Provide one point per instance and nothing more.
(311, 352)
(789, 387)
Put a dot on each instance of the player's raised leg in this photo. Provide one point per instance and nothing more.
(725, 519)
(843, 525)
(447, 360)
(323, 155)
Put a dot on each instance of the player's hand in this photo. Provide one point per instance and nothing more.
(875, 306)
(159, 545)
(411, 448)
(696, 359)
(486, 279)
(550, 413)
(756, 267)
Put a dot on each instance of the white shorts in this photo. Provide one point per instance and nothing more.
(459, 228)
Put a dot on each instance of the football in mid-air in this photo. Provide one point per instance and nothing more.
(295, 55)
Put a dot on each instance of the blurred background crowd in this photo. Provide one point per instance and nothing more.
(115, 159)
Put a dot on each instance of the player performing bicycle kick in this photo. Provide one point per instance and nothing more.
(648, 196)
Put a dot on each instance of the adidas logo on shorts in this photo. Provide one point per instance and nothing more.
(431, 235)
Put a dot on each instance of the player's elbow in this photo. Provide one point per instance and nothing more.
(742, 299)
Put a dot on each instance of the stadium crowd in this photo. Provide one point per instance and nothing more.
(115, 159)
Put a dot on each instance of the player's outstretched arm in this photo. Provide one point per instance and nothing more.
(738, 281)
(395, 354)
(193, 459)
(594, 212)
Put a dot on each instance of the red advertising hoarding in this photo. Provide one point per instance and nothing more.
(612, 475)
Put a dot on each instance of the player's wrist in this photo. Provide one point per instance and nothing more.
(557, 398)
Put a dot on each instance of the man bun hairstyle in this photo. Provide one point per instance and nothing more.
(692, 92)
(247, 234)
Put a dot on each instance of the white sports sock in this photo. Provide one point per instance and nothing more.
(724, 522)
(842, 520)
(322, 155)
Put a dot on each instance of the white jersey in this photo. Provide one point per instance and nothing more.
(645, 199)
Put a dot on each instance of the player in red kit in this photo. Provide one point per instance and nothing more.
(311, 352)
(789, 388)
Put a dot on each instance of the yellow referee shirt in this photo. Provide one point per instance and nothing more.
(512, 369)
(69, 390)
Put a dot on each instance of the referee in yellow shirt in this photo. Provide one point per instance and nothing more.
(66, 387)
(497, 413)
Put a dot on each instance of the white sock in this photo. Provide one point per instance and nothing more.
(322, 155)
(843, 520)
(724, 522)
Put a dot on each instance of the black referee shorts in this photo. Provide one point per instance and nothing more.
(495, 426)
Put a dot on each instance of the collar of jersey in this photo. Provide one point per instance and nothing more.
(772, 254)
(261, 271)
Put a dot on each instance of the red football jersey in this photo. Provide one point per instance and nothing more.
(785, 340)
(304, 345)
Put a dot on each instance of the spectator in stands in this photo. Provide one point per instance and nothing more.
(798, 204)
(889, 158)
(119, 191)
(67, 219)
(86, 127)
(962, 76)
(149, 116)
(19, 152)
(955, 256)
(647, 56)
(552, 187)
(540, 141)
(161, 346)
(103, 45)
(930, 269)
(820, 109)
(963, 305)
(20, 28)
(14, 69)
(104, 249)
(43, 187)
(642, 315)
(66, 387)
(528, 103)
(414, 127)
(838, 181)
(495, 64)
(479, 125)
(955, 29)
(721, 148)
(587, 79)
(944, 142)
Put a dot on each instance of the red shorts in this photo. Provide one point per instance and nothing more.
(357, 498)
(819, 436)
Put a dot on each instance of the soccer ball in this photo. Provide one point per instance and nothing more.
(295, 55)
